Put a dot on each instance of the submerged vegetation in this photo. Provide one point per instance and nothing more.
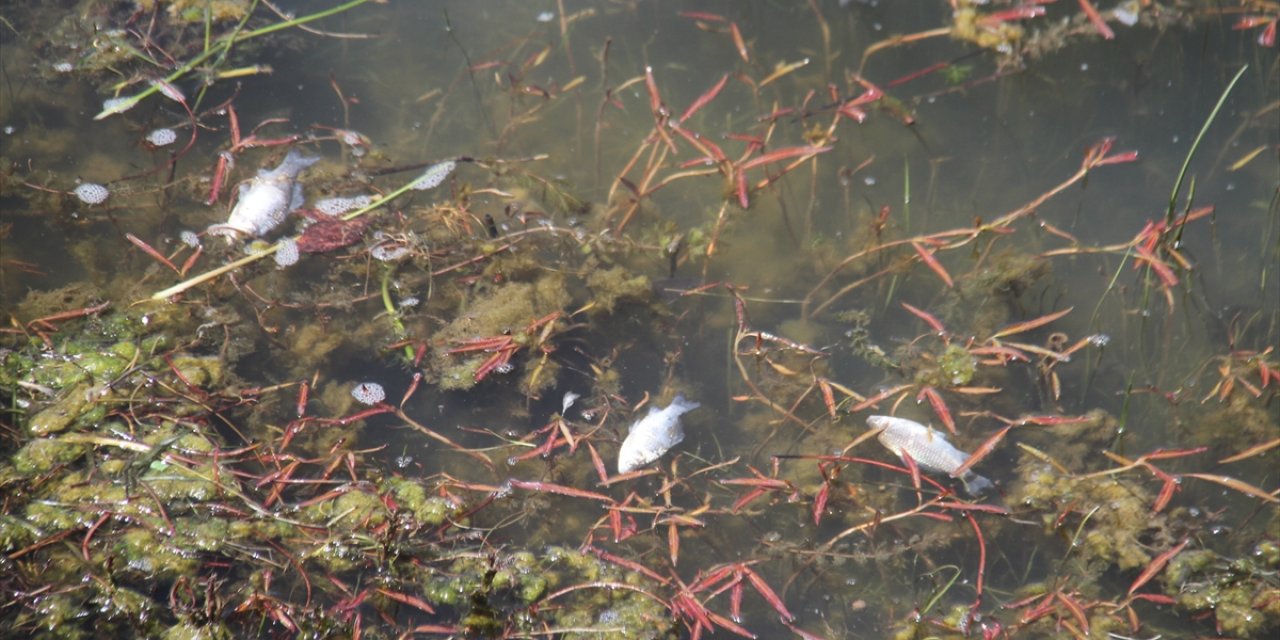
(547, 227)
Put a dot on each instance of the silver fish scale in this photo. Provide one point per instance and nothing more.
(927, 447)
(653, 435)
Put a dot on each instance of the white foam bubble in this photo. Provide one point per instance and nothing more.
(368, 393)
(434, 175)
(91, 193)
(162, 137)
(287, 254)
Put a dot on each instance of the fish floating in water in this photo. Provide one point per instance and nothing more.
(928, 448)
(654, 435)
(265, 200)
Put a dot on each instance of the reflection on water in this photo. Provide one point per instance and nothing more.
(797, 215)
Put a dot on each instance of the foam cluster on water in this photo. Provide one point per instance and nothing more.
(368, 393)
(118, 105)
(189, 238)
(339, 206)
(287, 254)
(91, 193)
(388, 251)
(434, 175)
(162, 137)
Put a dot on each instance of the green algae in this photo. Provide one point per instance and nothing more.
(431, 511)
(70, 408)
(953, 367)
(1115, 528)
(616, 284)
(44, 454)
(1243, 594)
(508, 309)
(208, 494)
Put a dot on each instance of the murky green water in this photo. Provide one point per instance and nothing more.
(191, 466)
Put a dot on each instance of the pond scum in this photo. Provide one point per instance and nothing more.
(183, 457)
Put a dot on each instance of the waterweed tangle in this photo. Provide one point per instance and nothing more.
(657, 205)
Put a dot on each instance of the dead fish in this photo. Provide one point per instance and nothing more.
(928, 448)
(654, 435)
(265, 200)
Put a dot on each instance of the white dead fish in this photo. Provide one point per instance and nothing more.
(654, 435)
(928, 448)
(265, 200)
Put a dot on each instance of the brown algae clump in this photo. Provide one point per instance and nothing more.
(1110, 521)
(617, 284)
(1243, 594)
(504, 318)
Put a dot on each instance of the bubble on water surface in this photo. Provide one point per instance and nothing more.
(91, 193)
(434, 175)
(368, 393)
(162, 137)
(287, 254)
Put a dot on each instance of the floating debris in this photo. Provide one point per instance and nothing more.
(928, 448)
(1126, 13)
(162, 137)
(265, 200)
(654, 435)
(328, 234)
(91, 193)
(434, 175)
(287, 254)
(569, 398)
(63, 67)
(368, 393)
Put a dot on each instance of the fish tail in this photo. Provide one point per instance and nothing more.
(976, 485)
(685, 404)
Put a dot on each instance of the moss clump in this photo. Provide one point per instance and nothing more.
(151, 556)
(1243, 594)
(191, 631)
(65, 411)
(506, 310)
(954, 367)
(195, 11)
(611, 286)
(1118, 532)
(200, 371)
(356, 507)
(428, 510)
(43, 454)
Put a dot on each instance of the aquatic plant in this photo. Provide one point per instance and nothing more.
(526, 251)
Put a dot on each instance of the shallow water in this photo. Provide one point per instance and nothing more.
(543, 105)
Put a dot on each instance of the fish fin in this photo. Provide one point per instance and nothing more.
(297, 201)
(975, 485)
(652, 410)
(677, 434)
